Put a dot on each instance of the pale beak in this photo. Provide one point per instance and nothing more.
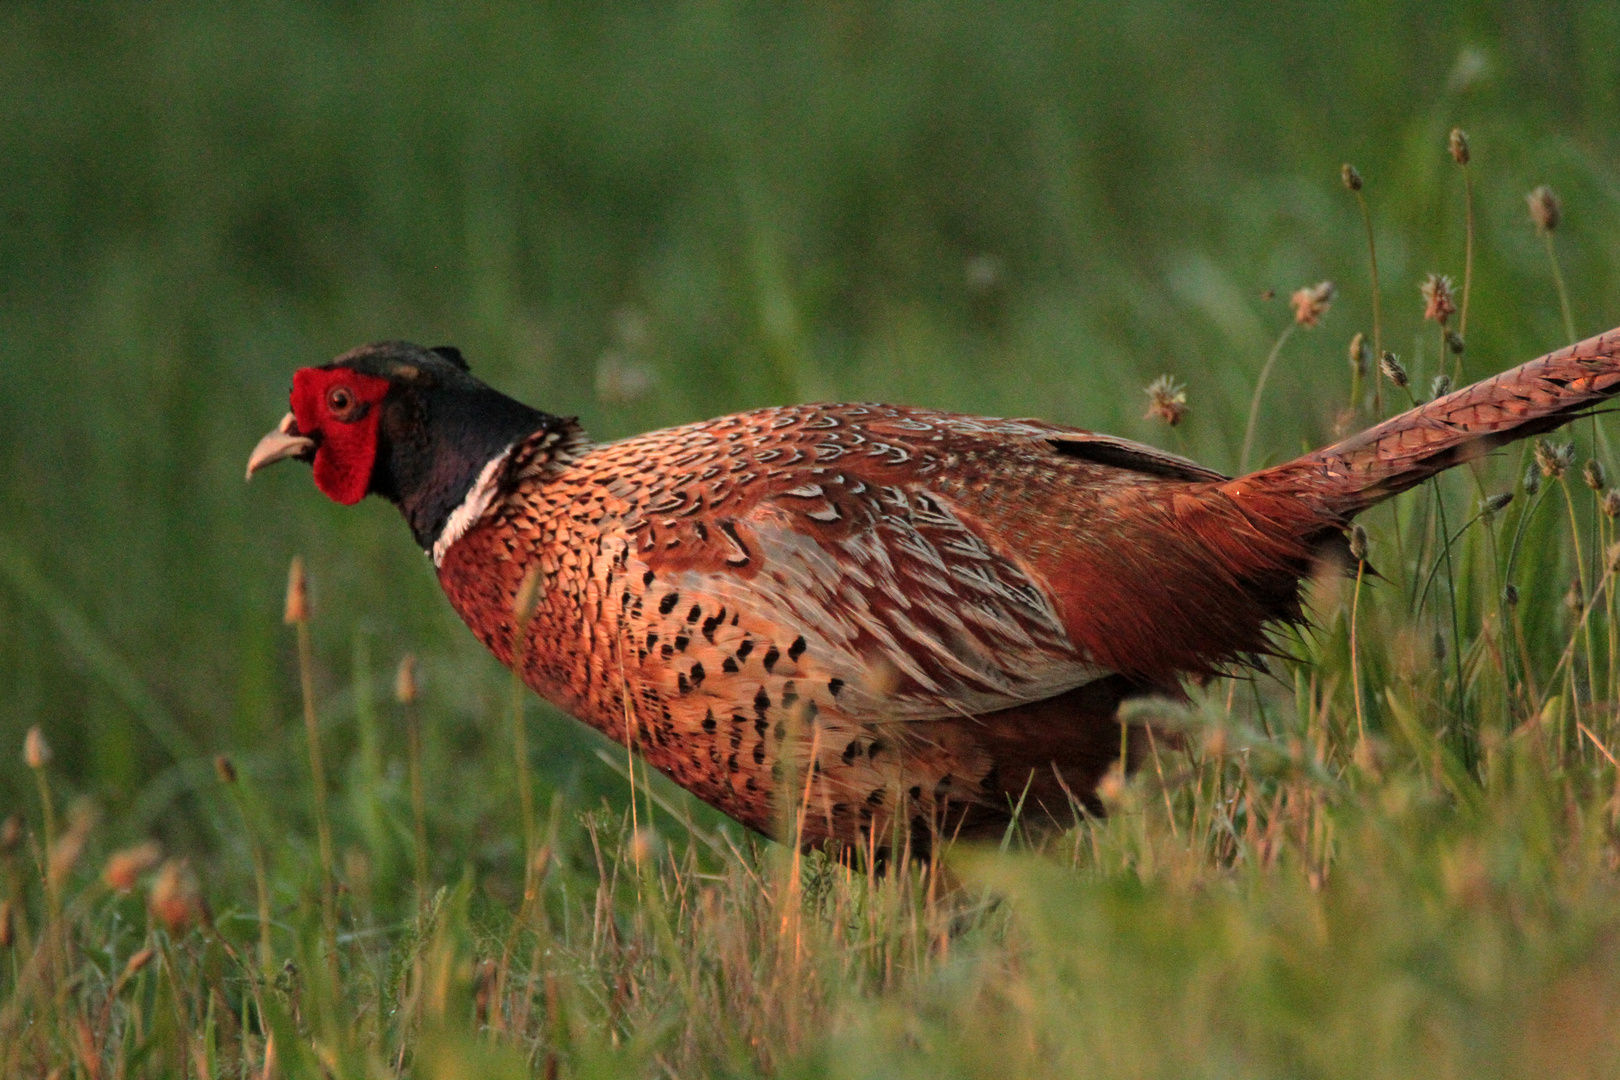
(280, 444)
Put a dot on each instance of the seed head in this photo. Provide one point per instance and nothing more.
(36, 751)
(528, 594)
(1360, 355)
(1592, 473)
(1611, 503)
(225, 768)
(1554, 460)
(1495, 504)
(1573, 600)
(405, 680)
(1438, 305)
(1312, 302)
(11, 833)
(137, 961)
(64, 854)
(1439, 647)
(175, 899)
(1390, 365)
(1612, 558)
(1510, 595)
(1351, 178)
(1454, 342)
(622, 379)
(1440, 386)
(645, 844)
(7, 931)
(1110, 790)
(296, 611)
(1358, 542)
(124, 869)
(1167, 401)
(1532, 480)
(1458, 145)
(1545, 209)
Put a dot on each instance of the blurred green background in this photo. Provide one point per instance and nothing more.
(650, 214)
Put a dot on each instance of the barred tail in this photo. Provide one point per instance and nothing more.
(1405, 450)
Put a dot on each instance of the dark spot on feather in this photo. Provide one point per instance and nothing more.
(745, 648)
(796, 650)
(648, 578)
(834, 685)
(852, 751)
(667, 604)
(698, 675)
(695, 614)
(762, 702)
(681, 642)
(759, 753)
(729, 666)
(708, 721)
(771, 657)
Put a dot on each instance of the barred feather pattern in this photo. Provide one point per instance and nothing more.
(907, 614)
(843, 591)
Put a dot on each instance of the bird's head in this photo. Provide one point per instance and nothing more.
(401, 421)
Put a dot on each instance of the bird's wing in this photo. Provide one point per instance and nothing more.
(834, 550)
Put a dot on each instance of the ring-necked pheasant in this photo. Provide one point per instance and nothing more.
(924, 613)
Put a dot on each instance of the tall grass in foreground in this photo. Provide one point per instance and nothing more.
(1382, 858)
(1269, 897)
(1394, 854)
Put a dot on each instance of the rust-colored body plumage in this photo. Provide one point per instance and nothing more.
(917, 613)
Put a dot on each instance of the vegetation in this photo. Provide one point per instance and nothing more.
(1395, 853)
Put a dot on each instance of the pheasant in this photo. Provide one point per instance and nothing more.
(914, 619)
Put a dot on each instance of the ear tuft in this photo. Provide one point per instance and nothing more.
(452, 354)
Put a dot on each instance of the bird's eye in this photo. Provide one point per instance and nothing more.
(340, 400)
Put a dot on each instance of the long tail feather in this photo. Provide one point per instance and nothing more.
(1405, 450)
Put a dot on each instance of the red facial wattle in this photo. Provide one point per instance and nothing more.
(340, 409)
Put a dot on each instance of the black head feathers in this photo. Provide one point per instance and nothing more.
(452, 354)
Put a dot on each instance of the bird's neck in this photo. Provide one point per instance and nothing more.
(437, 522)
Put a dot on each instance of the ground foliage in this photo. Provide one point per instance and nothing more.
(1394, 853)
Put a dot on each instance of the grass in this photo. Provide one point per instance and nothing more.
(1392, 854)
